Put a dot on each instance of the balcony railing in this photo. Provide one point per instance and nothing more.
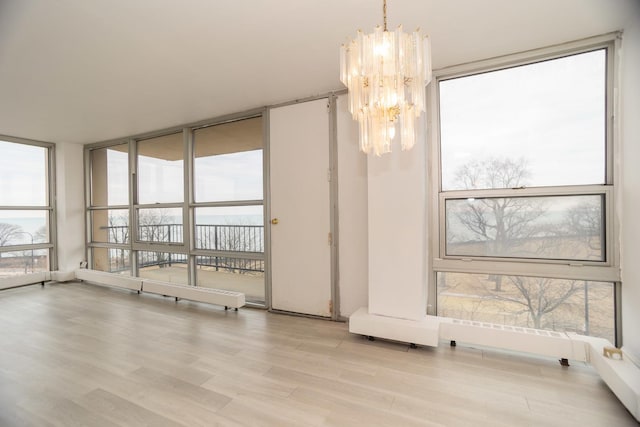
(236, 238)
(219, 238)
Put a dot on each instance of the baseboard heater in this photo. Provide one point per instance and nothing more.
(621, 375)
(33, 278)
(109, 279)
(25, 279)
(526, 340)
(228, 299)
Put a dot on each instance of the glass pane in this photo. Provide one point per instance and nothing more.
(110, 226)
(541, 124)
(23, 175)
(238, 228)
(228, 161)
(111, 260)
(165, 266)
(110, 176)
(160, 169)
(24, 227)
(555, 227)
(23, 262)
(232, 274)
(579, 306)
(160, 225)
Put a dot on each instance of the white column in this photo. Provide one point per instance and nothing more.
(70, 205)
(397, 233)
(397, 250)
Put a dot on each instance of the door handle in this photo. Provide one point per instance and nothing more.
(274, 221)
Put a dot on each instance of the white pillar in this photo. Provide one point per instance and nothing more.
(397, 233)
(397, 249)
(70, 205)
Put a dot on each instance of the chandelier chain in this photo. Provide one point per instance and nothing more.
(384, 13)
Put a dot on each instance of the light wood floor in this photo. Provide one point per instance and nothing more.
(77, 354)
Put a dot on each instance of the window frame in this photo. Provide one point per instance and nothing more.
(587, 190)
(607, 270)
(90, 208)
(193, 204)
(49, 206)
(188, 205)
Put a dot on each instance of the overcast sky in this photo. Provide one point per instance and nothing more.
(551, 113)
(22, 178)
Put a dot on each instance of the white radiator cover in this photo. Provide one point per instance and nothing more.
(211, 296)
(63, 276)
(110, 279)
(417, 332)
(24, 279)
(535, 341)
(207, 295)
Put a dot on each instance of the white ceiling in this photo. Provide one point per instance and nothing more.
(89, 70)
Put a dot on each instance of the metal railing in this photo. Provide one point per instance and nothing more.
(161, 233)
(225, 238)
(236, 238)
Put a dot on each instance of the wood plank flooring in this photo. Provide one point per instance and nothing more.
(82, 355)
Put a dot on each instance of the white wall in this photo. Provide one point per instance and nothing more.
(352, 215)
(70, 205)
(397, 232)
(629, 188)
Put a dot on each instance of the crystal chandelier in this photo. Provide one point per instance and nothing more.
(386, 74)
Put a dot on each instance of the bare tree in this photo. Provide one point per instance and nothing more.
(41, 235)
(513, 226)
(118, 233)
(540, 296)
(493, 173)
(584, 224)
(118, 228)
(501, 222)
(7, 233)
(156, 225)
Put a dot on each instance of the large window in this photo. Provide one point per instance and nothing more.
(525, 237)
(228, 207)
(109, 233)
(26, 210)
(195, 199)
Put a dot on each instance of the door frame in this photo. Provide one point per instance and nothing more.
(333, 203)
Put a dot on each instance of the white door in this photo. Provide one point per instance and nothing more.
(300, 204)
